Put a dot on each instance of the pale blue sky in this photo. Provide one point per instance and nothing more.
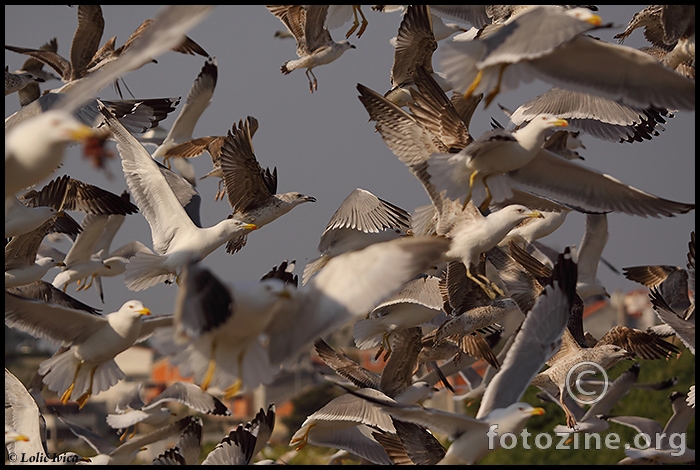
(324, 146)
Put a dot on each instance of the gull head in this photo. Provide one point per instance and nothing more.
(612, 354)
(134, 309)
(512, 418)
(586, 15)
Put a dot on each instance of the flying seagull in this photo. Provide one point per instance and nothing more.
(176, 239)
(315, 46)
(252, 191)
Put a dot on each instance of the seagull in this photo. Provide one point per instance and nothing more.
(675, 284)
(35, 147)
(663, 447)
(361, 219)
(131, 410)
(564, 57)
(198, 99)
(23, 415)
(16, 81)
(87, 366)
(79, 262)
(291, 317)
(124, 454)
(418, 302)
(415, 44)
(31, 91)
(252, 191)
(557, 378)
(176, 239)
(315, 47)
(494, 152)
(670, 29)
(346, 422)
(589, 421)
(500, 411)
(594, 115)
(22, 266)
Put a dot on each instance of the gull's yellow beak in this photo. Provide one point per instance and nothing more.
(560, 122)
(536, 215)
(145, 311)
(81, 132)
(595, 20)
(250, 226)
(60, 264)
(537, 411)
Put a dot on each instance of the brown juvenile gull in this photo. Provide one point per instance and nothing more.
(176, 239)
(571, 355)
(315, 46)
(252, 191)
(415, 44)
(31, 91)
(16, 81)
(360, 220)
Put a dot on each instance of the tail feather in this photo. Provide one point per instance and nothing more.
(58, 371)
(146, 270)
(285, 70)
(367, 333)
(312, 267)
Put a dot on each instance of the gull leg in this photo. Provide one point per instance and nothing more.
(303, 440)
(484, 206)
(475, 83)
(358, 9)
(492, 94)
(311, 84)
(88, 284)
(66, 395)
(485, 286)
(82, 400)
(210, 370)
(570, 419)
(315, 81)
(236, 387)
(221, 192)
(472, 177)
(491, 284)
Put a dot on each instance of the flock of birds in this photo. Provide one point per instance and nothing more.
(431, 288)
